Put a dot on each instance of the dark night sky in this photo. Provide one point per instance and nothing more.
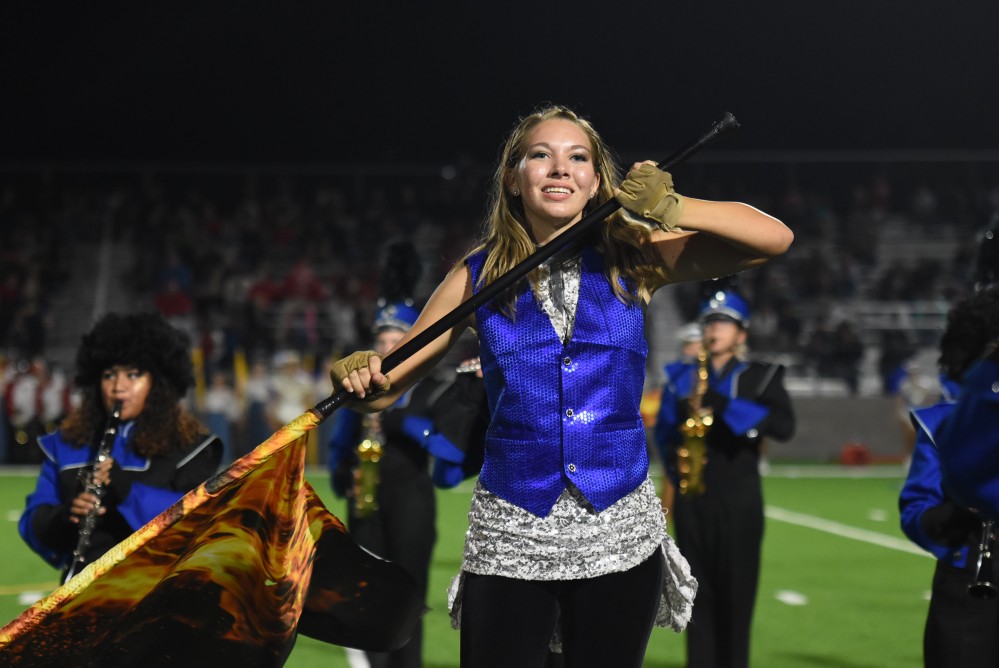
(415, 82)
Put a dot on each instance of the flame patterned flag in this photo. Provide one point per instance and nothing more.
(227, 576)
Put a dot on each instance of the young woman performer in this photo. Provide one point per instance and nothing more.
(565, 530)
(158, 451)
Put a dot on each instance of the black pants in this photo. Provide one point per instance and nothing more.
(605, 621)
(402, 530)
(720, 534)
(961, 630)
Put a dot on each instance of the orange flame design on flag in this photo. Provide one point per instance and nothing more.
(224, 575)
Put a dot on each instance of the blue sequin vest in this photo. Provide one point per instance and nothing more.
(569, 412)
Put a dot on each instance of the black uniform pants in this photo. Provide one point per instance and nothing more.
(402, 530)
(961, 630)
(720, 533)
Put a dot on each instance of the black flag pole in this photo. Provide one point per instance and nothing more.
(326, 407)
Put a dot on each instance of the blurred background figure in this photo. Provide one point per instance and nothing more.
(392, 508)
(690, 340)
(292, 391)
(846, 355)
(257, 425)
(55, 397)
(24, 408)
(718, 510)
(221, 410)
(6, 375)
(379, 461)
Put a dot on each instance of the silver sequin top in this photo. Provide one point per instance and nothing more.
(573, 541)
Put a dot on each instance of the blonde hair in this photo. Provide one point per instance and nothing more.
(623, 241)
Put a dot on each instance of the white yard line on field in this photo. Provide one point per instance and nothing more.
(834, 471)
(843, 530)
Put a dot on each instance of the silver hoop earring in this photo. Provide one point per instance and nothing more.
(516, 193)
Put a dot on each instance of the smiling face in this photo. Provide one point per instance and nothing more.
(555, 178)
(127, 384)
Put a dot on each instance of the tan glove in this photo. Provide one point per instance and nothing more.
(648, 192)
(355, 362)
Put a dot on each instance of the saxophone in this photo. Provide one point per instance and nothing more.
(366, 480)
(692, 453)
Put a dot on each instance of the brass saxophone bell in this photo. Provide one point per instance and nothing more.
(368, 477)
(691, 455)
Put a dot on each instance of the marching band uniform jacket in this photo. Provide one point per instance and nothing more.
(451, 429)
(140, 489)
(749, 403)
(929, 518)
(960, 629)
(405, 426)
(968, 441)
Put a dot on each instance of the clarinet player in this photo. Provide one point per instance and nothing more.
(158, 451)
(963, 616)
(719, 520)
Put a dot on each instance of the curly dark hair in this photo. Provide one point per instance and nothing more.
(972, 323)
(146, 341)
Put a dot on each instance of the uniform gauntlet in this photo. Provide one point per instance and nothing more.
(354, 362)
(648, 192)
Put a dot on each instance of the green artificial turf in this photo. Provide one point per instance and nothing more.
(825, 599)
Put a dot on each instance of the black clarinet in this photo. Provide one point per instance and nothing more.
(88, 523)
(981, 587)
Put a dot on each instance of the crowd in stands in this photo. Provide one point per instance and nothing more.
(35, 238)
(264, 268)
(243, 405)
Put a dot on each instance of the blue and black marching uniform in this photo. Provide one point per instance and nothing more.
(721, 531)
(140, 489)
(960, 630)
(436, 427)
(969, 440)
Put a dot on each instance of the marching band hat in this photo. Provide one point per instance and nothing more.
(725, 305)
(397, 315)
